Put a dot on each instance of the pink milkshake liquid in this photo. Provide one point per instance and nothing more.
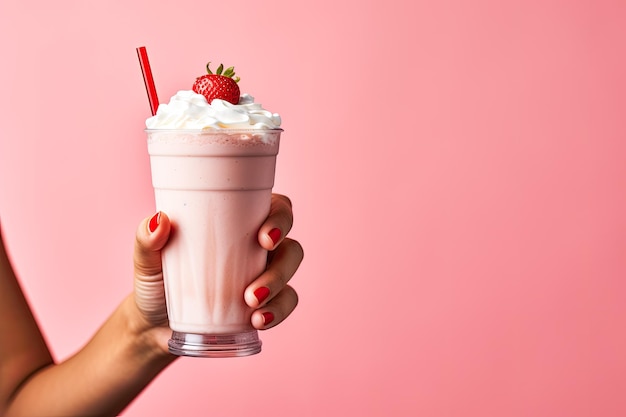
(215, 186)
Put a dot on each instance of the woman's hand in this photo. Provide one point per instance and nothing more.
(269, 294)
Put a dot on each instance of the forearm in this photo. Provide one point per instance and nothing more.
(23, 350)
(103, 377)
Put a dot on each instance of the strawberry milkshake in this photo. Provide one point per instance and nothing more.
(212, 156)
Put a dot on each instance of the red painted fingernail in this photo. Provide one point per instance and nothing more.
(261, 294)
(268, 317)
(274, 234)
(154, 222)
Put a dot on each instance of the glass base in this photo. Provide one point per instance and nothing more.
(215, 345)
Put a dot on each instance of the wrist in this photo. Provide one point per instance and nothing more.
(146, 338)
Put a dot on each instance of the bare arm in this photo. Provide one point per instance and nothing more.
(101, 379)
(23, 350)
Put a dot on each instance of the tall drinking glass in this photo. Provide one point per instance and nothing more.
(215, 186)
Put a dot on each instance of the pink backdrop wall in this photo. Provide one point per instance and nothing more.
(458, 170)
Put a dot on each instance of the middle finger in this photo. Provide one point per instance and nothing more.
(285, 260)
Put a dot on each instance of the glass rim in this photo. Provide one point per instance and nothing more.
(220, 131)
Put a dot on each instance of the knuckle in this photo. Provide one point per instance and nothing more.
(295, 247)
(284, 199)
(296, 297)
(281, 279)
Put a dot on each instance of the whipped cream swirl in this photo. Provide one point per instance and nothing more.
(188, 110)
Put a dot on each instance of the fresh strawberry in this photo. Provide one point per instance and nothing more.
(220, 85)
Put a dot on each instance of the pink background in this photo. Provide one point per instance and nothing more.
(458, 170)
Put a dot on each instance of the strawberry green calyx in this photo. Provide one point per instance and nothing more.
(229, 72)
(219, 85)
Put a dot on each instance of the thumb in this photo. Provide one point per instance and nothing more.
(152, 235)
